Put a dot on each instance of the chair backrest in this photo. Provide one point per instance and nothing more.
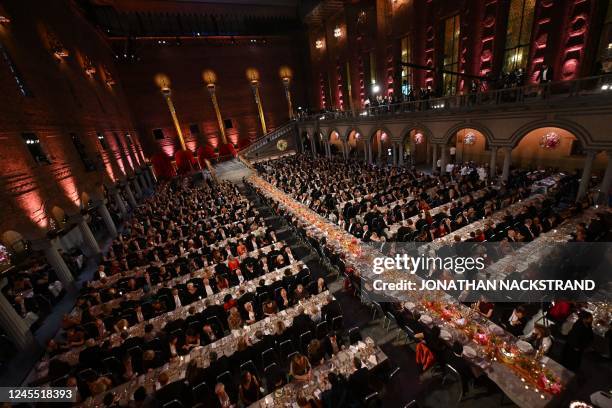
(200, 391)
(337, 323)
(354, 335)
(286, 347)
(225, 378)
(268, 357)
(269, 367)
(322, 330)
(173, 404)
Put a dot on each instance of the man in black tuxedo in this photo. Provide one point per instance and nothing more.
(332, 343)
(331, 309)
(359, 381)
(302, 323)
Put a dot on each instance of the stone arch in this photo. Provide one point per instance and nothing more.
(375, 130)
(356, 143)
(381, 140)
(578, 131)
(416, 149)
(424, 129)
(486, 132)
(553, 146)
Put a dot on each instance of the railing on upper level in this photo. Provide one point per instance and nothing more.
(533, 93)
(268, 137)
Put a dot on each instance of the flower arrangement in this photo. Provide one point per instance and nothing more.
(550, 141)
(469, 139)
(419, 138)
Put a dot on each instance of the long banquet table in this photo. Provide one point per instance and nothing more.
(530, 381)
(72, 356)
(341, 363)
(176, 368)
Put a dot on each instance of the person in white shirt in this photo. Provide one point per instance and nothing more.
(453, 152)
(450, 167)
(176, 297)
(208, 290)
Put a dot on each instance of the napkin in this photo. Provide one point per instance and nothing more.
(372, 359)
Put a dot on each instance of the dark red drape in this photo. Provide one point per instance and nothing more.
(162, 166)
(185, 162)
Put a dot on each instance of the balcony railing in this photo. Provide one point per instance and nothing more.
(268, 137)
(533, 93)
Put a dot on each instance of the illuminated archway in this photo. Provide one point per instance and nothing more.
(335, 143)
(552, 147)
(357, 145)
(470, 145)
(414, 146)
(382, 145)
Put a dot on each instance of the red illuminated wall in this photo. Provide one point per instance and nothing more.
(184, 65)
(63, 100)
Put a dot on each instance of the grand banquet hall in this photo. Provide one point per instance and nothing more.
(306, 203)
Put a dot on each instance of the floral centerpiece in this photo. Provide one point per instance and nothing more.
(550, 141)
(469, 139)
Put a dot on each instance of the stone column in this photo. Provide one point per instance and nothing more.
(57, 263)
(400, 154)
(369, 152)
(136, 185)
(604, 188)
(313, 148)
(429, 148)
(345, 147)
(434, 148)
(143, 181)
(586, 174)
(88, 238)
(120, 202)
(152, 175)
(493, 163)
(444, 159)
(395, 153)
(108, 220)
(130, 195)
(379, 145)
(14, 325)
(507, 160)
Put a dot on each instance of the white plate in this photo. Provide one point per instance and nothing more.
(469, 352)
(444, 335)
(425, 319)
(410, 305)
(495, 329)
(524, 346)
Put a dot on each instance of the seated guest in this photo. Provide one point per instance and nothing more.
(234, 319)
(539, 338)
(332, 343)
(270, 308)
(299, 293)
(302, 323)
(283, 300)
(209, 335)
(300, 368)
(517, 321)
(456, 360)
(222, 398)
(222, 282)
(484, 307)
(321, 286)
(359, 381)
(331, 309)
(336, 396)
(250, 315)
(150, 360)
(316, 352)
(560, 310)
(578, 339)
(249, 389)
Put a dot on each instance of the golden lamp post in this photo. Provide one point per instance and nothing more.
(164, 85)
(210, 78)
(253, 77)
(286, 74)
